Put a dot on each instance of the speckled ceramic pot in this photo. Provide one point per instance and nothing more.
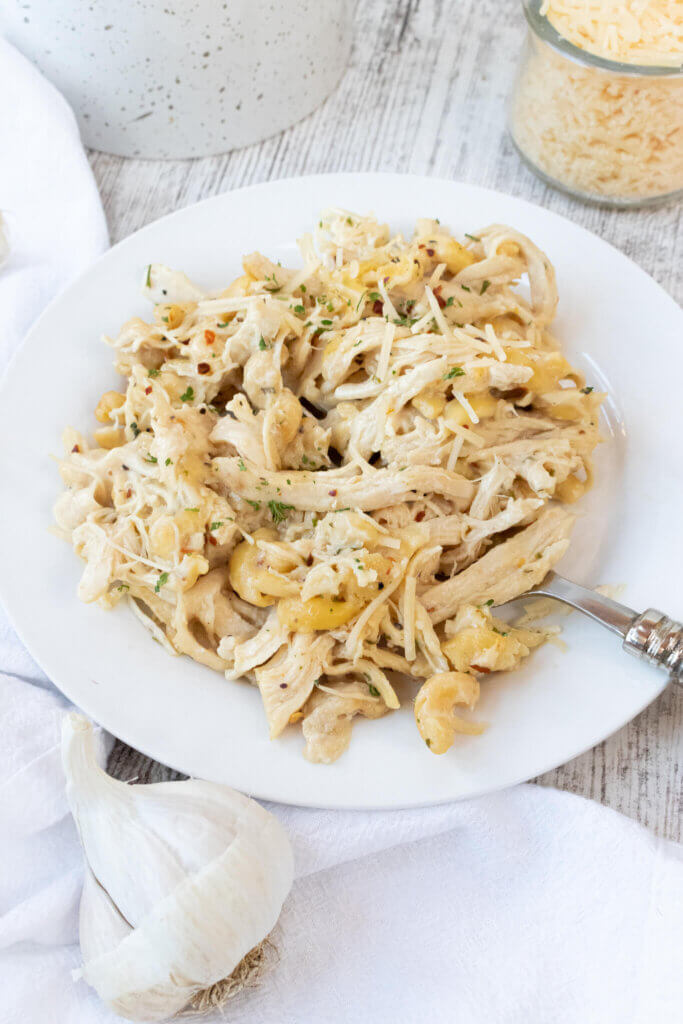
(184, 78)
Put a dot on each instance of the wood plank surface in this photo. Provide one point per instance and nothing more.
(426, 92)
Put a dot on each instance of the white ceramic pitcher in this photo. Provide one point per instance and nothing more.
(184, 78)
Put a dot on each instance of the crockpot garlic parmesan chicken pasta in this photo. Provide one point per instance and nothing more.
(321, 480)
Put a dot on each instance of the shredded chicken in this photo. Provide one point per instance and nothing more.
(319, 478)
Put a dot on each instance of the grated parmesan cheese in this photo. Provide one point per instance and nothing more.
(599, 132)
(629, 31)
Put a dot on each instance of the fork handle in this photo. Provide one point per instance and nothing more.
(657, 639)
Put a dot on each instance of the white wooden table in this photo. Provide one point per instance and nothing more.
(426, 93)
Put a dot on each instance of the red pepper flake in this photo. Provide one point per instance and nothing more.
(203, 368)
(209, 337)
(75, 448)
(212, 540)
(480, 668)
(442, 302)
(148, 391)
(332, 494)
(419, 517)
(378, 307)
(430, 252)
(420, 246)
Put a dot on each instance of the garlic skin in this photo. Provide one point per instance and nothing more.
(183, 879)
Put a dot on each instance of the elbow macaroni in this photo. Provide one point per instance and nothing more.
(434, 705)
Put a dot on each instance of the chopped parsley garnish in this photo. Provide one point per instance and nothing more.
(194, 509)
(326, 322)
(374, 297)
(165, 319)
(123, 586)
(488, 603)
(135, 428)
(374, 692)
(160, 582)
(299, 309)
(465, 288)
(302, 288)
(279, 510)
(276, 287)
(168, 462)
(217, 525)
(263, 344)
(455, 371)
(256, 505)
(153, 373)
(226, 324)
(150, 458)
(148, 280)
(188, 395)
(360, 300)
(475, 238)
(500, 632)
(484, 286)
(450, 300)
(587, 391)
(240, 465)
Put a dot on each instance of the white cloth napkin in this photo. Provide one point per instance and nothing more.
(54, 223)
(526, 907)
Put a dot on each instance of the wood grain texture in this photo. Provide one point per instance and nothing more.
(426, 92)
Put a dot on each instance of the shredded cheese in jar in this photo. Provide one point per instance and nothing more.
(598, 103)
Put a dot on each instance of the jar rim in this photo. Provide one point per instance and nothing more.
(542, 28)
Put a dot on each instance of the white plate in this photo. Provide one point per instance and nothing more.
(613, 321)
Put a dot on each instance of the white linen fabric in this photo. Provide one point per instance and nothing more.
(523, 907)
(529, 906)
(54, 223)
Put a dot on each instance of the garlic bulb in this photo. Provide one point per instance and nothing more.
(183, 879)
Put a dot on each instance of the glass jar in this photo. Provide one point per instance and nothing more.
(599, 129)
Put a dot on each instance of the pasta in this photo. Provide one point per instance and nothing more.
(321, 480)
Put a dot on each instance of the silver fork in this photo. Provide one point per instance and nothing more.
(652, 636)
